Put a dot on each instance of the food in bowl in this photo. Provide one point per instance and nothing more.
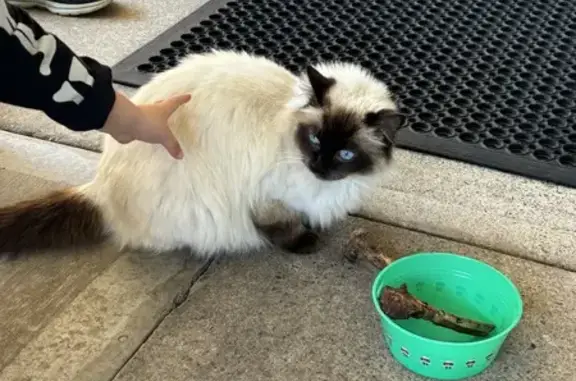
(397, 303)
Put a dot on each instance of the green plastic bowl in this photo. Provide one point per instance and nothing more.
(462, 286)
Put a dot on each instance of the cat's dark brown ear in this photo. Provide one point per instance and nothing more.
(387, 122)
(320, 84)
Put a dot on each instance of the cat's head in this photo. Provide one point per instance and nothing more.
(350, 123)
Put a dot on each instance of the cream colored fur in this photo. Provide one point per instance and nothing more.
(237, 133)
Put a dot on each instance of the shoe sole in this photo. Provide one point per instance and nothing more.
(63, 9)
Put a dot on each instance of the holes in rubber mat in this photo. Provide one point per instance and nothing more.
(498, 74)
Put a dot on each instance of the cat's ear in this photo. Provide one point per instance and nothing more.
(320, 84)
(386, 122)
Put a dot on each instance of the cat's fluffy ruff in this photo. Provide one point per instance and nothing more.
(237, 134)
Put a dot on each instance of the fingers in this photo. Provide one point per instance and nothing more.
(172, 104)
(170, 142)
(160, 112)
(172, 145)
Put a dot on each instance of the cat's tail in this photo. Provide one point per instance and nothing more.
(61, 219)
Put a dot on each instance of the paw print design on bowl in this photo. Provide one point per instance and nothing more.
(405, 351)
(448, 365)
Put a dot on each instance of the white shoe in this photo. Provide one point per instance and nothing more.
(64, 7)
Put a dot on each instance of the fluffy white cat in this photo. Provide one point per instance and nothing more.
(269, 158)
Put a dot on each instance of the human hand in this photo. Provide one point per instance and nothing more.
(148, 123)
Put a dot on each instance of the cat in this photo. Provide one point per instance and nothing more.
(270, 158)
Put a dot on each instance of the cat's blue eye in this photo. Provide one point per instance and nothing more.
(314, 139)
(346, 155)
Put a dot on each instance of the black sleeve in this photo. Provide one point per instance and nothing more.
(39, 71)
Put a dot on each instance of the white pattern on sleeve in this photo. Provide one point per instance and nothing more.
(46, 45)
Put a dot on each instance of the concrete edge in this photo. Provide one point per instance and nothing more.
(46, 160)
(480, 206)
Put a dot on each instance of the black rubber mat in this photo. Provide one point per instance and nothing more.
(490, 82)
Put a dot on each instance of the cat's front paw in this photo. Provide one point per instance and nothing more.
(305, 243)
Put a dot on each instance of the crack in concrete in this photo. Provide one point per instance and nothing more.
(177, 301)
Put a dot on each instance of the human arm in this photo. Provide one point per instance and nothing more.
(39, 71)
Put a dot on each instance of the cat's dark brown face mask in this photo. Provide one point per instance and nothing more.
(344, 142)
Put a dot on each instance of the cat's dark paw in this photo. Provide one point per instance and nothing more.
(305, 243)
